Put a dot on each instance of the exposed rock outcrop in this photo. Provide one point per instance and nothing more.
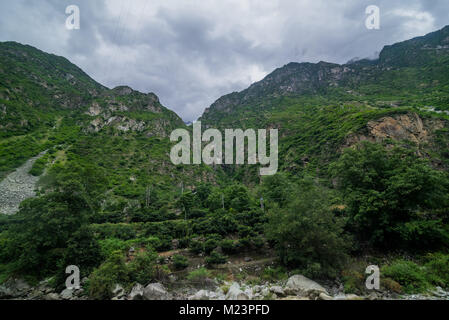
(409, 126)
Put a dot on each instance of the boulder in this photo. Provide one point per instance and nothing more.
(51, 296)
(136, 292)
(278, 291)
(14, 288)
(265, 292)
(156, 291)
(203, 295)
(66, 294)
(300, 285)
(323, 296)
(118, 291)
(235, 293)
(249, 293)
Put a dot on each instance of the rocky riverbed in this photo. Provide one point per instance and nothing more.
(17, 187)
(297, 287)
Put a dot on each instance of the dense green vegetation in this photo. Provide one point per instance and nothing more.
(110, 201)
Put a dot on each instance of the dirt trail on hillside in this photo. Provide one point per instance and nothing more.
(18, 186)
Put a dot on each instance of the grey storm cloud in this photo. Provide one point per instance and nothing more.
(191, 52)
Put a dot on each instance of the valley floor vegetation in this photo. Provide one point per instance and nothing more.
(381, 203)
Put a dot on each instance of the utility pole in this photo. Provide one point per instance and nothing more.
(261, 204)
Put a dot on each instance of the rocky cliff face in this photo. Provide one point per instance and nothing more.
(410, 127)
(127, 110)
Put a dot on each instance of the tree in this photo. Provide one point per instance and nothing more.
(46, 227)
(307, 235)
(237, 197)
(214, 200)
(203, 191)
(277, 189)
(187, 201)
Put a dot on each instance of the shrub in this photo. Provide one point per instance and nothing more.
(196, 246)
(159, 244)
(38, 167)
(210, 245)
(199, 275)
(408, 274)
(391, 285)
(225, 288)
(437, 267)
(180, 262)
(353, 281)
(274, 274)
(258, 242)
(109, 245)
(143, 268)
(215, 258)
(228, 246)
(244, 243)
(102, 280)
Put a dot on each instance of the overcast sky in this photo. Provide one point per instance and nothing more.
(191, 52)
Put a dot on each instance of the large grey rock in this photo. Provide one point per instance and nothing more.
(300, 285)
(14, 288)
(235, 293)
(118, 291)
(156, 291)
(66, 294)
(136, 292)
(265, 292)
(323, 296)
(208, 295)
(52, 296)
(278, 291)
(203, 295)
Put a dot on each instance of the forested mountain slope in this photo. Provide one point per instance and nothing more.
(319, 108)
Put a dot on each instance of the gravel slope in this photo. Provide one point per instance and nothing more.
(18, 186)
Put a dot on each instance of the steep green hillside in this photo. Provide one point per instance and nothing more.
(372, 136)
(35, 86)
(364, 158)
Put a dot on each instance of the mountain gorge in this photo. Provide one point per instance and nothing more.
(363, 178)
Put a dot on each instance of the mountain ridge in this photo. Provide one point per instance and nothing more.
(305, 78)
